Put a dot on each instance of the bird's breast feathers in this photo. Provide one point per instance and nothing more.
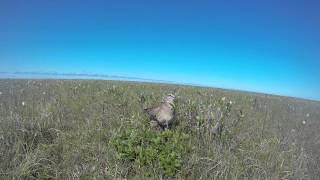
(165, 114)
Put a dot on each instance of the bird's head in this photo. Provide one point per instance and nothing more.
(170, 99)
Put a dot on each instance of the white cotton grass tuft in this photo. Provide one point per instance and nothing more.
(23, 103)
(304, 122)
(223, 99)
(308, 115)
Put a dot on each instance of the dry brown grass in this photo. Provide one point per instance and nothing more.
(64, 129)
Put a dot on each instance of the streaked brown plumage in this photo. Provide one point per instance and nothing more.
(218, 127)
(163, 114)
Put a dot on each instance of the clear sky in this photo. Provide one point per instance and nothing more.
(270, 46)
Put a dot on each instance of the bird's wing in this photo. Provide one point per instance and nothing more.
(153, 111)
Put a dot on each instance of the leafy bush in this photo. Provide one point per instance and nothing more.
(152, 149)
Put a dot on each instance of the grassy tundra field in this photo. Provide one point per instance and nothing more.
(85, 129)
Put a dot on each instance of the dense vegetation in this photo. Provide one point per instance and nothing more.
(98, 130)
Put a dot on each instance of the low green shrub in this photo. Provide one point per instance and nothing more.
(150, 149)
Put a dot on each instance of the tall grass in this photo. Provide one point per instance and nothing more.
(97, 130)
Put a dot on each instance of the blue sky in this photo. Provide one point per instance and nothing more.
(264, 46)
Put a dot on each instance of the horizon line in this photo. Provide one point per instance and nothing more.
(98, 76)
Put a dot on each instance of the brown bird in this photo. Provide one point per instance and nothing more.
(163, 114)
(217, 129)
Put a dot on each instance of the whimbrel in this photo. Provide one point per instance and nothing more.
(163, 114)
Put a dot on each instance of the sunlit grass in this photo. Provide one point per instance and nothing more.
(86, 129)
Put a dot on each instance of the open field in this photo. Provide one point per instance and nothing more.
(81, 129)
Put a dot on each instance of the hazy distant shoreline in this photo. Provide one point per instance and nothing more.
(54, 75)
(87, 76)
